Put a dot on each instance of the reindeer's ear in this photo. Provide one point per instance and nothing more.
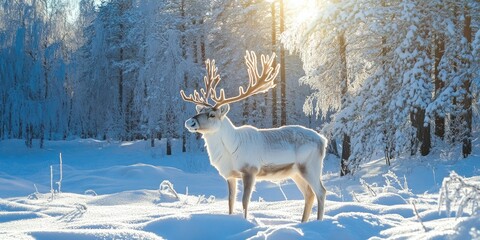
(224, 110)
(199, 108)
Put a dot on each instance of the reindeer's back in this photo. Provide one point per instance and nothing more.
(291, 143)
(291, 135)
(284, 145)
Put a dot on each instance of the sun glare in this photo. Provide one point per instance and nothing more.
(295, 4)
(298, 4)
(300, 9)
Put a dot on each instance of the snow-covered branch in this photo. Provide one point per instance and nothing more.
(460, 193)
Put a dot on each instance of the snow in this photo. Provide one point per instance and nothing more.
(125, 190)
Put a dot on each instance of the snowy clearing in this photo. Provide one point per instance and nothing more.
(112, 190)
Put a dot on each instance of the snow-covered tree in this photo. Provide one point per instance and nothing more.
(34, 53)
(322, 38)
(397, 81)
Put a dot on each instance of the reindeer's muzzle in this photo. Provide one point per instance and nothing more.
(192, 125)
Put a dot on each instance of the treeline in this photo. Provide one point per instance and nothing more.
(35, 71)
(402, 76)
(396, 76)
(114, 70)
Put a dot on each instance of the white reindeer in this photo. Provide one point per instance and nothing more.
(255, 154)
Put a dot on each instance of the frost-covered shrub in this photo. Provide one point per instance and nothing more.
(80, 207)
(59, 183)
(202, 199)
(33, 196)
(52, 192)
(393, 184)
(460, 193)
(394, 190)
(90, 192)
(167, 192)
(369, 188)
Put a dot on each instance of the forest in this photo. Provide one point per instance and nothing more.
(388, 77)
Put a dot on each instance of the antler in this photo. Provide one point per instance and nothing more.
(211, 81)
(258, 83)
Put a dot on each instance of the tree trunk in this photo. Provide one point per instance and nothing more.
(170, 129)
(414, 139)
(426, 143)
(129, 121)
(194, 44)
(185, 76)
(439, 84)
(169, 146)
(346, 149)
(423, 129)
(29, 135)
(184, 142)
(42, 135)
(283, 81)
(425, 137)
(274, 49)
(467, 98)
(388, 132)
(120, 88)
(246, 107)
(422, 136)
(26, 136)
(332, 147)
(20, 126)
(453, 123)
(202, 44)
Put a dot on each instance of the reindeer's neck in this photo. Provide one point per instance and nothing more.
(223, 142)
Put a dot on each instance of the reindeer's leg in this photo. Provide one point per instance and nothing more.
(321, 201)
(308, 194)
(316, 184)
(248, 183)
(232, 193)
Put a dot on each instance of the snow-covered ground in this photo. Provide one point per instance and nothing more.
(111, 190)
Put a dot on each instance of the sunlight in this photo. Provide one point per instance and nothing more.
(301, 9)
(298, 4)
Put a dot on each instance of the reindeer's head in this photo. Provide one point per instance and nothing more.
(209, 117)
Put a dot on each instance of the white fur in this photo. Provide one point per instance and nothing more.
(232, 148)
(263, 154)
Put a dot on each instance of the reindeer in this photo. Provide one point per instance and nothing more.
(253, 154)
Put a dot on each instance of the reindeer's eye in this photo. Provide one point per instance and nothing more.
(211, 115)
